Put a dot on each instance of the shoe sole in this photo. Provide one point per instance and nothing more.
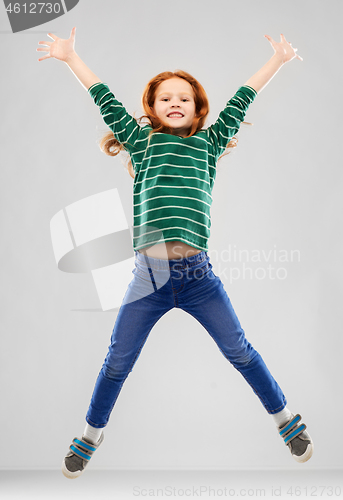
(306, 456)
(70, 475)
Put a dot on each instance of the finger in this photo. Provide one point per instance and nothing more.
(54, 37)
(300, 58)
(72, 33)
(45, 57)
(45, 43)
(283, 38)
(43, 49)
(269, 38)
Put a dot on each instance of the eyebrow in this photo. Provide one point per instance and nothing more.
(167, 93)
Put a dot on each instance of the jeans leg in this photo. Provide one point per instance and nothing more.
(212, 307)
(133, 324)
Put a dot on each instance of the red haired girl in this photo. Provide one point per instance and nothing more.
(173, 163)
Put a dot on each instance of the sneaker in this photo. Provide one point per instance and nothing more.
(297, 439)
(81, 451)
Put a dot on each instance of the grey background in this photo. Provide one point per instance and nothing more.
(184, 405)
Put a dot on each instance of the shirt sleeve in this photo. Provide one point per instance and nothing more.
(229, 120)
(124, 126)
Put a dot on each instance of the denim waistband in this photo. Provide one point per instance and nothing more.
(184, 262)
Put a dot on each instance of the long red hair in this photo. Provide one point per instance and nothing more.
(112, 147)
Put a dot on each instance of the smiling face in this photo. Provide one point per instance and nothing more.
(174, 105)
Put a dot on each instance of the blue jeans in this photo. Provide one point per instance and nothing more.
(157, 287)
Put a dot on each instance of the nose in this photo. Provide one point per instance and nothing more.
(174, 103)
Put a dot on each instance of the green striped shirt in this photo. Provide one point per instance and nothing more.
(174, 176)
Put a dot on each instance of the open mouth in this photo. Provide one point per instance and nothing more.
(175, 115)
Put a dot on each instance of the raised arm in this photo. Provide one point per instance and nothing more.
(284, 52)
(122, 124)
(63, 50)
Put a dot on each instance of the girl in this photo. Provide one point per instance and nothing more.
(173, 163)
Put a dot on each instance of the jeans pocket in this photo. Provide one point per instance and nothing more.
(199, 272)
(142, 272)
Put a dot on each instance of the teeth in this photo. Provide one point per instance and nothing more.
(175, 114)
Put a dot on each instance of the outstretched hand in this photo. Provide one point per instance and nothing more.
(284, 48)
(60, 48)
